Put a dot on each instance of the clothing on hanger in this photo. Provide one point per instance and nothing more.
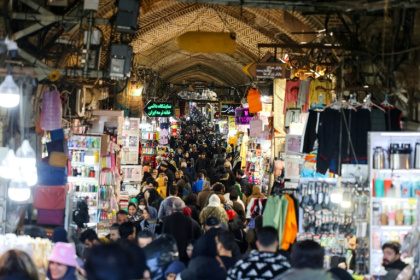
(302, 102)
(291, 95)
(318, 87)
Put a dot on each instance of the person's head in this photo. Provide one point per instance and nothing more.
(227, 165)
(178, 205)
(267, 239)
(132, 208)
(122, 217)
(17, 263)
(164, 165)
(179, 151)
(190, 247)
(391, 251)
(150, 213)
(218, 187)
(59, 235)
(183, 164)
(161, 174)
(144, 238)
(151, 180)
(127, 231)
(248, 189)
(173, 270)
(187, 154)
(214, 201)
(225, 242)
(203, 155)
(178, 174)
(234, 195)
(191, 199)
(114, 233)
(142, 204)
(89, 238)
(62, 260)
(239, 173)
(173, 190)
(200, 175)
(307, 254)
(146, 169)
(158, 160)
(165, 180)
(212, 222)
(155, 184)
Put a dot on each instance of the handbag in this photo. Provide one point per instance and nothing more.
(50, 217)
(51, 175)
(57, 146)
(58, 159)
(50, 197)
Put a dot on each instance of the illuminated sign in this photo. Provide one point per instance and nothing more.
(159, 109)
(242, 116)
(228, 109)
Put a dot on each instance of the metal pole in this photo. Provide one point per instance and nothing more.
(89, 34)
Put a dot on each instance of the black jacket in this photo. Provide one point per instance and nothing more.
(399, 264)
(203, 268)
(180, 227)
(243, 182)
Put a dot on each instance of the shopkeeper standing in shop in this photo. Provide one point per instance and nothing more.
(391, 260)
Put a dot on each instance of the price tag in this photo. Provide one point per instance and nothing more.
(412, 201)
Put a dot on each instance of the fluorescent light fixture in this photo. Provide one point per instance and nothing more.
(19, 190)
(9, 93)
(366, 86)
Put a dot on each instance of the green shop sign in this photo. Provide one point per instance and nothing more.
(159, 109)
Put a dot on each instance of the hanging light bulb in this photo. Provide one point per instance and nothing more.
(9, 92)
(19, 190)
(26, 160)
(9, 168)
(336, 193)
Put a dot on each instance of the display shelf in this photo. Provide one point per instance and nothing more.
(393, 200)
(85, 179)
(405, 227)
(83, 163)
(83, 149)
(405, 171)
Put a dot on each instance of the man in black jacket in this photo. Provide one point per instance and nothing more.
(391, 260)
(164, 167)
(181, 227)
(242, 179)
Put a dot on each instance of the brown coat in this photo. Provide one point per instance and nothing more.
(256, 193)
(203, 195)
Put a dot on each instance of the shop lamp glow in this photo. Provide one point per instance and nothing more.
(346, 202)
(9, 92)
(336, 193)
(9, 168)
(26, 159)
(19, 190)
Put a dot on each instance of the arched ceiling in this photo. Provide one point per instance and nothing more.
(162, 21)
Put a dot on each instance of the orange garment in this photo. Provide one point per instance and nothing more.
(254, 101)
(290, 225)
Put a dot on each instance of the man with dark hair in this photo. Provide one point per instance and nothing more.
(165, 168)
(242, 179)
(201, 162)
(165, 209)
(89, 238)
(307, 261)
(127, 231)
(114, 233)
(391, 260)
(144, 238)
(122, 217)
(225, 242)
(266, 263)
(180, 226)
(198, 186)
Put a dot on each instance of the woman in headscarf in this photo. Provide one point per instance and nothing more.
(62, 262)
(242, 196)
(154, 199)
(133, 215)
(146, 174)
(151, 222)
(214, 209)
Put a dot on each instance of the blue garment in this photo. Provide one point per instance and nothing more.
(198, 186)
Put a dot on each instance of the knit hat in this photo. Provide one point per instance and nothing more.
(59, 235)
(176, 267)
(64, 253)
(187, 211)
(214, 201)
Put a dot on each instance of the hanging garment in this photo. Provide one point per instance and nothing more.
(290, 225)
(254, 101)
(392, 118)
(292, 115)
(318, 87)
(310, 132)
(302, 102)
(377, 120)
(291, 95)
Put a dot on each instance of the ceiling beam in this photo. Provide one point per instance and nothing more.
(48, 19)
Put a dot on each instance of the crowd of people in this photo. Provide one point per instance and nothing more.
(187, 222)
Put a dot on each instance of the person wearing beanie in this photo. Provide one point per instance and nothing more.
(59, 235)
(214, 209)
(62, 262)
(174, 269)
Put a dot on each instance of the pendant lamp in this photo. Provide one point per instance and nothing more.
(9, 168)
(9, 92)
(19, 190)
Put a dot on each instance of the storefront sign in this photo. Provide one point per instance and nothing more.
(159, 109)
(228, 109)
(271, 71)
(242, 116)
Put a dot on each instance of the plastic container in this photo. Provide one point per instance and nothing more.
(51, 110)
